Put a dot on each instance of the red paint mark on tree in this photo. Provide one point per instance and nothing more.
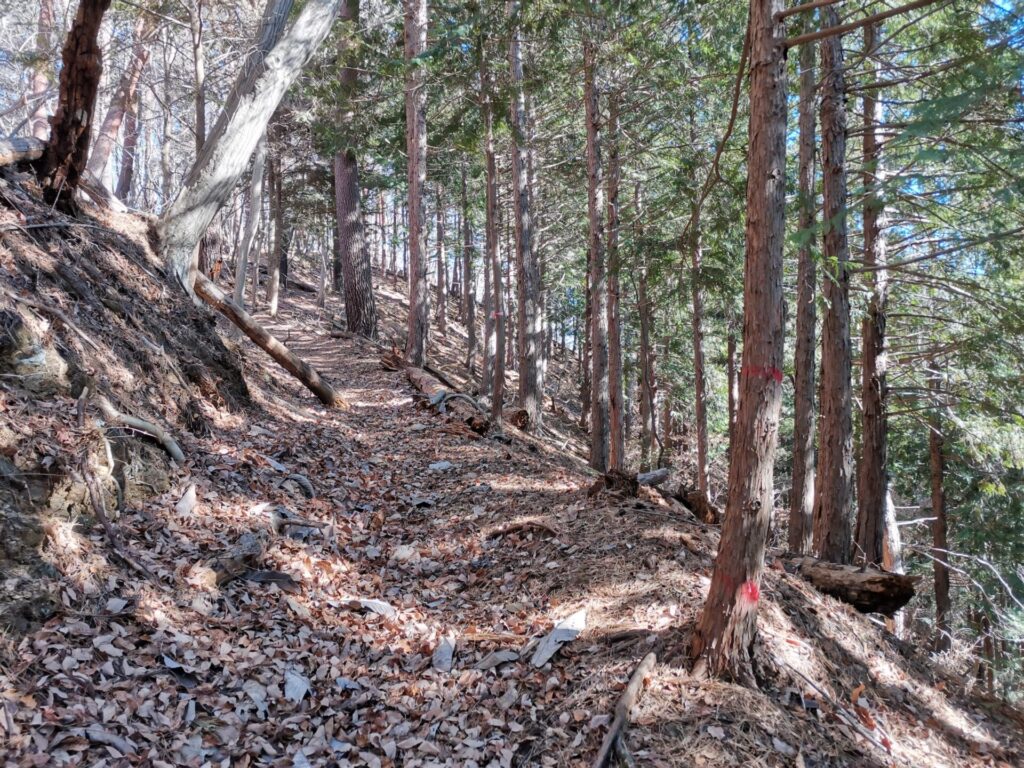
(768, 373)
(750, 592)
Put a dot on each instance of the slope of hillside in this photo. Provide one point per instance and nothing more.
(368, 585)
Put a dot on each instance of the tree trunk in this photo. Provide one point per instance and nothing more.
(699, 376)
(124, 98)
(940, 541)
(866, 588)
(648, 412)
(732, 382)
(442, 270)
(357, 271)
(468, 281)
(496, 339)
(39, 85)
(251, 223)
(259, 88)
(598, 319)
(727, 627)
(873, 477)
(616, 428)
(833, 509)
(416, 146)
(300, 369)
(277, 247)
(126, 176)
(195, 23)
(528, 288)
(584, 350)
(801, 514)
(64, 158)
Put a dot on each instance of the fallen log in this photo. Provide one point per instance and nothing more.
(296, 366)
(654, 477)
(20, 149)
(462, 406)
(868, 589)
(622, 710)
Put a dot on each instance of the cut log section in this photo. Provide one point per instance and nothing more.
(461, 406)
(869, 590)
(20, 149)
(296, 366)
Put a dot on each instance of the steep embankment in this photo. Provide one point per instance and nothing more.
(375, 548)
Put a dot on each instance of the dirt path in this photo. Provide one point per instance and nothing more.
(432, 528)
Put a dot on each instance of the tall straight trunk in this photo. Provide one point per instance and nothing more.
(833, 508)
(357, 272)
(166, 117)
(873, 477)
(490, 337)
(586, 372)
(616, 407)
(255, 209)
(195, 23)
(254, 97)
(598, 319)
(940, 541)
(337, 270)
(63, 160)
(648, 388)
(442, 270)
(529, 318)
(496, 338)
(728, 623)
(468, 281)
(416, 149)
(393, 253)
(277, 245)
(700, 395)
(125, 177)
(39, 81)
(123, 99)
(801, 512)
(733, 383)
(382, 226)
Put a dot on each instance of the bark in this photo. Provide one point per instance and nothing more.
(528, 286)
(868, 589)
(126, 176)
(802, 496)
(277, 247)
(356, 269)
(63, 161)
(648, 388)
(732, 382)
(416, 147)
(195, 23)
(940, 541)
(873, 476)
(41, 73)
(442, 271)
(123, 99)
(584, 349)
(259, 89)
(616, 430)
(833, 508)
(496, 337)
(300, 369)
(468, 282)
(727, 627)
(699, 376)
(598, 316)
(251, 223)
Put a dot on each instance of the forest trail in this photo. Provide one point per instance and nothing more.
(424, 538)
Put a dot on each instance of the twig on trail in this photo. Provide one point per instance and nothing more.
(157, 433)
(522, 525)
(51, 311)
(840, 710)
(622, 709)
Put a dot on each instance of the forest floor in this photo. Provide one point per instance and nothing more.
(424, 539)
